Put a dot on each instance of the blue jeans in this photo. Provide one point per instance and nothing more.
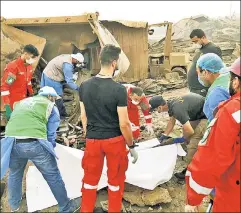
(45, 163)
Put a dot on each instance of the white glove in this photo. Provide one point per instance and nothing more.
(149, 129)
(189, 208)
(134, 154)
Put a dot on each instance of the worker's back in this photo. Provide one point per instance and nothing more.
(53, 70)
(29, 118)
(101, 96)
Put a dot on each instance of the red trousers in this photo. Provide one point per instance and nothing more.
(114, 149)
(134, 118)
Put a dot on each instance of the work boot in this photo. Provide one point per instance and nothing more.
(181, 175)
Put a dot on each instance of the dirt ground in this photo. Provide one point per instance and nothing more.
(175, 188)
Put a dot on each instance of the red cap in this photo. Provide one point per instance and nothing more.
(235, 67)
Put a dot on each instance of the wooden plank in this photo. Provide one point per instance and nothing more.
(50, 20)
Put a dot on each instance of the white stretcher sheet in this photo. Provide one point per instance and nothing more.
(154, 166)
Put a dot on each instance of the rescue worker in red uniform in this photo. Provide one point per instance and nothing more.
(16, 79)
(137, 98)
(105, 121)
(216, 164)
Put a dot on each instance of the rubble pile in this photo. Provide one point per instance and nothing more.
(158, 86)
(224, 32)
(141, 197)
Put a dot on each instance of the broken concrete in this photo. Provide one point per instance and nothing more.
(158, 86)
(140, 197)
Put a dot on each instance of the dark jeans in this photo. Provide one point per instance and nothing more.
(202, 92)
(61, 108)
(45, 163)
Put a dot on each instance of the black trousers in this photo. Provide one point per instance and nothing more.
(61, 108)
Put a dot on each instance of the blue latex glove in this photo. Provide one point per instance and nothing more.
(163, 137)
(179, 140)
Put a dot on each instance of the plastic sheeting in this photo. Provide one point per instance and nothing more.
(154, 166)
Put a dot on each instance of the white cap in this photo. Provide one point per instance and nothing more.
(79, 57)
(45, 91)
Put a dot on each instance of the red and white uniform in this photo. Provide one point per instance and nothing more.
(216, 163)
(16, 82)
(133, 112)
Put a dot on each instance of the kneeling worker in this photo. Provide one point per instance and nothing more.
(31, 131)
(136, 97)
(188, 110)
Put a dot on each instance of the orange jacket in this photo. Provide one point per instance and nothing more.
(16, 82)
(216, 163)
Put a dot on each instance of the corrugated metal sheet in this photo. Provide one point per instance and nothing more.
(133, 24)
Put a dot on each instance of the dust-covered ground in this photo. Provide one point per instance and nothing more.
(175, 189)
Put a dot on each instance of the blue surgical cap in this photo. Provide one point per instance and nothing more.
(210, 62)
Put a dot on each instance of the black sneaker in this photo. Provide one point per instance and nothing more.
(181, 175)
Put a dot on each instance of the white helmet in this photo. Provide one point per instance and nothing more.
(79, 57)
(45, 91)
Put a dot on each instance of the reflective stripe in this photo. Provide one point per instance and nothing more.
(87, 186)
(134, 127)
(148, 116)
(114, 188)
(4, 93)
(29, 83)
(236, 116)
(196, 187)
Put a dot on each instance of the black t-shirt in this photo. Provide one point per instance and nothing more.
(187, 108)
(192, 77)
(101, 97)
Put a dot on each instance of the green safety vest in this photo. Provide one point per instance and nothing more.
(222, 81)
(29, 118)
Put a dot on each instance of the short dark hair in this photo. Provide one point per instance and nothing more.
(197, 32)
(137, 90)
(29, 48)
(108, 54)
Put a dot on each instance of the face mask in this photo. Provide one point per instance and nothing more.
(200, 81)
(30, 61)
(197, 46)
(116, 72)
(134, 102)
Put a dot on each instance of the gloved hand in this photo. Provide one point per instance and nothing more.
(149, 129)
(8, 111)
(189, 208)
(134, 153)
(179, 140)
(163, 137)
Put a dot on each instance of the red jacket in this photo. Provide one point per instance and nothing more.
(216, 163)
(16, 82)
(144, 105)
